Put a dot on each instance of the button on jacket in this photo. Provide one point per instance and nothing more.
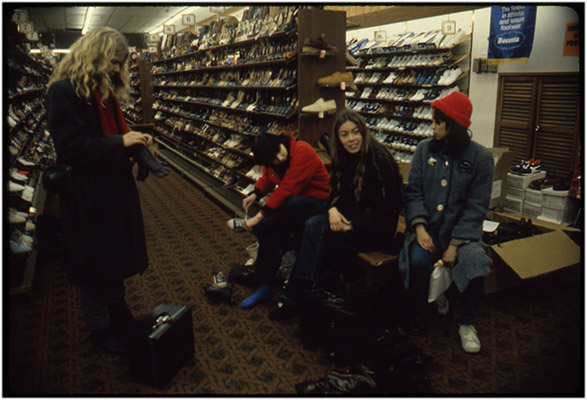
(451, 195)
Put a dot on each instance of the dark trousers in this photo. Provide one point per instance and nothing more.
(94, 301)
(321, 247)
(275, 230)
(421, 264)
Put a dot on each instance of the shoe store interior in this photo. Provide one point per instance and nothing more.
(155, 155)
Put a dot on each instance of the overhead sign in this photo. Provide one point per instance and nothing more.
(511, 34)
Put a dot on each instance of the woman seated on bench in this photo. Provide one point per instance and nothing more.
(365, 202)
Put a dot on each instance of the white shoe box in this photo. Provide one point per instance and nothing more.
(513, 205)
(531, 209)
(563, 216)
(533, 196)
(523, 181)
(555, 198)
(515, 193)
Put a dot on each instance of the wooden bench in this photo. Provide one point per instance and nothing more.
(377, 262)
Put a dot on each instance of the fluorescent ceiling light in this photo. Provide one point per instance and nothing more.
(88, 19)
(57, 51)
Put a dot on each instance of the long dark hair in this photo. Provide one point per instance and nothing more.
(370, 146)
(266, 147)
(457, 138)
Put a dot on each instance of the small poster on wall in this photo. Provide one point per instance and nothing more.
(572, 39)
(511, 34)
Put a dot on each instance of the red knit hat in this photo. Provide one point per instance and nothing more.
(456, 106)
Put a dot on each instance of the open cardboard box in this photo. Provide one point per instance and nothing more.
(502, 158)
(518, 260)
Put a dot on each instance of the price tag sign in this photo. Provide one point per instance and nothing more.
(152, 49)
(321, 114)
(26, 27)
(169, 29)
(342, 85)
(32, 36)
(154, 38)
(188, 19)
(322, 53)
(449, 27)
(20, 16)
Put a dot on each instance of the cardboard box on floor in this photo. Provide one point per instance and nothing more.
(502, 158)
(519, 260)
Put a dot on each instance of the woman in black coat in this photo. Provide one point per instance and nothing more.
(102, 220)
(365, 203)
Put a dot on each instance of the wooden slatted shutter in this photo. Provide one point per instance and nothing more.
(556, 139)
(515, 115)
(538, 117)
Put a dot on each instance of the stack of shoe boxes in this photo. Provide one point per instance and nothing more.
(557, 207)
(520, 199)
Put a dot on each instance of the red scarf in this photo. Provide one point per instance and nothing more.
(106, 114)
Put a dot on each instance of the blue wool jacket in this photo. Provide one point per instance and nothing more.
(451, 195)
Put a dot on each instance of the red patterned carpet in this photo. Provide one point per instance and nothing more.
(532, 337)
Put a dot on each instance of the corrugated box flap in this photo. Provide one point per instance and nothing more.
(537, 255)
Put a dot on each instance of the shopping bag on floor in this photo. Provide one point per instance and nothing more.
(440, 280)
(161, 345)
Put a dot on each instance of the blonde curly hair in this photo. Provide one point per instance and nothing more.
(87, 63)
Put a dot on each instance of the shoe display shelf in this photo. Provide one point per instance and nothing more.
(211, 102)
(133, 109)
(138, 110)
(398, 84)
(30, 151)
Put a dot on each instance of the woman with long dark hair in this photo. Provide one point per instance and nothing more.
(447, 199)
(365, 202)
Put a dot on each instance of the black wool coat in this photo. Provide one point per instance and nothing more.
(103, 228)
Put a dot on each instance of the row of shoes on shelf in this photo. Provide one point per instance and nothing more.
(405, 60)
(265, 50)
(242, 124)
(267, 103)
(402, 142)
(408, 127)
(424, 95)
(441, 76)
(256, 22)
(224, 157)
(22, 181)
(267, 77)
(408, 41)
(23, 111)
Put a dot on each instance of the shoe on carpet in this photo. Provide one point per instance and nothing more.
(469, 339)
(237, 224)
(442, 304)
(261, 295)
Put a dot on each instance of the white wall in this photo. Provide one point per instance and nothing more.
(546, 55)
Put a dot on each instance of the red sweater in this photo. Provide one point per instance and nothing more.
(306, 176)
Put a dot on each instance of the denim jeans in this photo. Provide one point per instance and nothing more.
(421, 264)
(94, 301)
(274, 231)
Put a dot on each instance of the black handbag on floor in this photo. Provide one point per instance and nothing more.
(161, 345)
(57, 179)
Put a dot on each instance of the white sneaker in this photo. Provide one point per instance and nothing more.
(441, 302)
(469, 339)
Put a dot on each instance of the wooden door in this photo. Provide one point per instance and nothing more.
(538, 117)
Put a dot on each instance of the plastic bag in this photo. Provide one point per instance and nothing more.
(440, 280)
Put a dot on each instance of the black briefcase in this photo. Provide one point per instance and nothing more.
(161, 345)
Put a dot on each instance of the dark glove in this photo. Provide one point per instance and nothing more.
(148, 163)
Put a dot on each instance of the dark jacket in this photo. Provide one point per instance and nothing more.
(374, 217)
(102, 220)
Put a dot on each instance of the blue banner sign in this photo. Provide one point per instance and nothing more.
(511, 34)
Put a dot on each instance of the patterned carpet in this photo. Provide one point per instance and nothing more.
(532, 337)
